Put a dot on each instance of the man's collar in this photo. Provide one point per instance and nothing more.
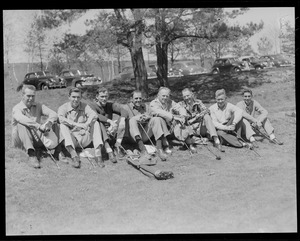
(79, 107)
(24, 106)
(142, 106)
(223, 107)
(250, 102)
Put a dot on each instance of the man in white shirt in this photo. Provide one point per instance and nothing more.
(229, 122)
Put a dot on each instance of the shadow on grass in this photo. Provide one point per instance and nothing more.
(204, 85)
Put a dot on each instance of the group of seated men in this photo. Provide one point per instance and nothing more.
(82, 123)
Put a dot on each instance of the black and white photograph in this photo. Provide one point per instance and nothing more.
(150, 121)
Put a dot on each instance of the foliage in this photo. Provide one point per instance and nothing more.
(264, 46)
(287, 39)
(36, 41)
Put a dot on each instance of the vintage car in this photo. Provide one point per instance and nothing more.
(186, 68)
(127, 74)
(254, 63)
(79, 78)
(277, 60)
(43, 80)
(230, 64)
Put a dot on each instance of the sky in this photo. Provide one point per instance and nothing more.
(19, 21)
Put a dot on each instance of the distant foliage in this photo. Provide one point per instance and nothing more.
(265, 46)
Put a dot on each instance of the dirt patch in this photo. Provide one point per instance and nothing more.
(242, 192)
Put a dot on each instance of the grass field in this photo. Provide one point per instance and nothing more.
(240, 193)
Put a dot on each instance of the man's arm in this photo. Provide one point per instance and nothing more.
(215, 120)
(62, 117)
(91, 114)
(156, 110)
(52, 115)
(23, 119)
(263, 112)
(238, 112)
(101, 117)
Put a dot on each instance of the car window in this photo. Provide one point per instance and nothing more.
(40, 74)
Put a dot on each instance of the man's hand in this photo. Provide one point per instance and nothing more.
(144, 117)
(46, 127)
(231, 127)
(179, 119)
(79, 126)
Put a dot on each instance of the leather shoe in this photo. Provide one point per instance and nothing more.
(219, 147)
(275, 140)
(76, 162)
(162, 155)
(112, 157)
(99, 161)
(34, 162)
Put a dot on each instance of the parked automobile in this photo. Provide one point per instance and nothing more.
(43, 80)
(277, 60)
(127, 74)
(254, 63)
(187, 68)
(79, 78)
(230, 64)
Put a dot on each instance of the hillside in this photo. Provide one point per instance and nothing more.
(244, 192)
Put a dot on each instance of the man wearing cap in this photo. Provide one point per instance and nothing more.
(79, 127)
(229, 122)
(170, 111)
(199, 117)
(252, 107)
(27, 131)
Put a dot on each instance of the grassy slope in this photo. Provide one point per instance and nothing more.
(240, 193)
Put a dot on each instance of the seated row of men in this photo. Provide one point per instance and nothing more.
(82, 123)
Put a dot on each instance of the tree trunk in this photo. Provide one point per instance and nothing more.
(162, 63)
(139, 69)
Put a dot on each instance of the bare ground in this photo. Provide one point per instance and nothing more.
(240, 193)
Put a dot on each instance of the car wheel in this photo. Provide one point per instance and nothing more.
(236, 70)
(44, 87)
(258, 68)
(215, 71)
(78, 84)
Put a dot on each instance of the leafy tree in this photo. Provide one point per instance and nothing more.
(241, 47)
(36, 41)
(265, 46)
(287, 39)
(206, 23)
(128, 26)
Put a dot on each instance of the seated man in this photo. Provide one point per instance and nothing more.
(252, 107)
(170, 111)
(199, 117)
(105, 111)
(79, 127)
(229, 122)
(142, 126)
(27, 131)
